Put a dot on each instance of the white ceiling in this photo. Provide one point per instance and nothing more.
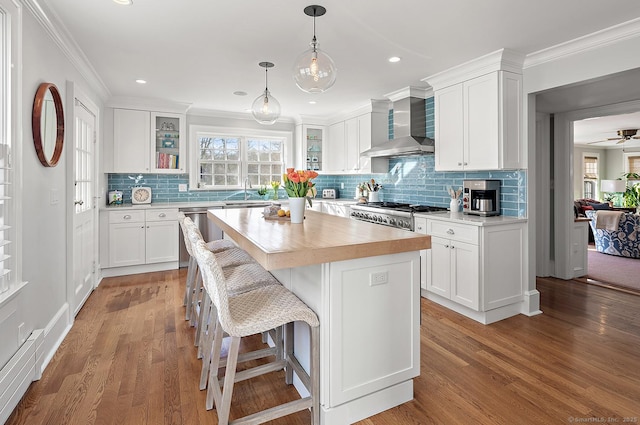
(201, 51)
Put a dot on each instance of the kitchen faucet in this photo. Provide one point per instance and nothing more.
(246, 181)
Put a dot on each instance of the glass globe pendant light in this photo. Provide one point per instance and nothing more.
(266, 109)
(314, 71)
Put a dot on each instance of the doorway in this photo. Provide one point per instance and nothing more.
(618, 94)
(82, 176)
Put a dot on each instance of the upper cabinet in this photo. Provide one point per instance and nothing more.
(310, 147)
(147, 142)
(348, 138)
(478, 115)
(168, 154)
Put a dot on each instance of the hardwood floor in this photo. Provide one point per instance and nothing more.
(130, 359)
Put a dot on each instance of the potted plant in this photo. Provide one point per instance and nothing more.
(631, 195)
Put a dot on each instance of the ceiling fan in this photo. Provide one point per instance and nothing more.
(624, 135)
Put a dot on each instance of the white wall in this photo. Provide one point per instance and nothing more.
(44, 225)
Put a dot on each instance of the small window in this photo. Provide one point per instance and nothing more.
(633, 164)
(590, 168)
(590, 176)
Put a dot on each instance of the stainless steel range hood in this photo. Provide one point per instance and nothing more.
(409, 131)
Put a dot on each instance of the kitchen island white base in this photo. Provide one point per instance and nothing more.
(369, 311)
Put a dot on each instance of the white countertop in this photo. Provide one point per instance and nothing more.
(214, 204)
(474, 220)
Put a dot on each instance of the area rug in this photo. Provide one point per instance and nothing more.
(614, 270)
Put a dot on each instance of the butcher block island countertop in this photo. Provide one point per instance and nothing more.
(363, 282)
(322, 238)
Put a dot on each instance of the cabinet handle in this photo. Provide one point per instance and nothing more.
(452, 247)
(162, 215)
(460, 163)
(127, 217)
(466, 163)
(446, 246)
(450, 232)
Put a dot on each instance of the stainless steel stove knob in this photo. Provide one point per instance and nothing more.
(392, 221)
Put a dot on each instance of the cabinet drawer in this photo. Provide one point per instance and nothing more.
(453, 231)
(130, 216)
(168, 214)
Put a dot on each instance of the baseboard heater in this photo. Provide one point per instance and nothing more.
(18, 373)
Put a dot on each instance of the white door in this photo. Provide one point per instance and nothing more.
(84, 237)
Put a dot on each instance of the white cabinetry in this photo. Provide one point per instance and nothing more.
(161, 238)
(478, 114)
(348, 138)
(475, 269)
(453, 262)
(311, 147)
(139, 237)
(148, 142)
(336, 208)
(131, 141)
(478, 123)
(126, 238)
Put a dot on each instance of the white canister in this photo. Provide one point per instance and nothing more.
(374, 196)
(455, 205)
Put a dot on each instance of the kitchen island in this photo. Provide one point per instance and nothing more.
(363, 282)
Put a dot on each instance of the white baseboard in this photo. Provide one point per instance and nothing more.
(55, 331)
(28, 363)
(18, 373)
(142, 268)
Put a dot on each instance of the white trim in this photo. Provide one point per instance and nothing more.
(237, 132)
(499, 60)
(54, 333)
(607, 36)
(52, 24)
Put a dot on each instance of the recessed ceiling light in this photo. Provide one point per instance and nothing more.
(312, 102)
(140, 81)
(394, 59)
(124, 2)
(240, 93)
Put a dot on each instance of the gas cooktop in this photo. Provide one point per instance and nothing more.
(397, 206)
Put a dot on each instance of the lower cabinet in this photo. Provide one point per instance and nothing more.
(140, 237)
(454, 271)
(475, 269)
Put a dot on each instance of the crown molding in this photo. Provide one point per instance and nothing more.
(53, 26)
(499, 60)
(157, 105)
(607, 36)
(201, 112)
(410, 91)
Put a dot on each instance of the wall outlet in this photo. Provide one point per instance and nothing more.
(182, 188)
(378, 278)
(342, 185)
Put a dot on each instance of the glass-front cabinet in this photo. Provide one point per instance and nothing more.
(311, 143)
(168, 153)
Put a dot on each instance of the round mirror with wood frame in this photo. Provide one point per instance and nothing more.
(47, 124)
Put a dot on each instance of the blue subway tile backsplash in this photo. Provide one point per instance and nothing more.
(410, 179)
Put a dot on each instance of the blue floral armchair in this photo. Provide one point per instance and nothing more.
(624, 241)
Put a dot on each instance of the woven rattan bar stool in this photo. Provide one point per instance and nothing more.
(252, 313)
(239, 278)
(215, 246)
